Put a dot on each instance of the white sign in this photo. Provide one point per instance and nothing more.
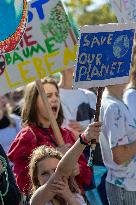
(125, 10)
(48, 46)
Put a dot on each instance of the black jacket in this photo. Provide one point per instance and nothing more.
(13, 195)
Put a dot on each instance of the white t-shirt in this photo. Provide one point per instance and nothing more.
(78, 197)
(8, 134)
(118, 129)
(78, 105)
(130, 100)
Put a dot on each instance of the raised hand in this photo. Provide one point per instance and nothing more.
(93, 131)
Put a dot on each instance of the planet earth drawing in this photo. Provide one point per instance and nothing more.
(13, 18)
(121, 46)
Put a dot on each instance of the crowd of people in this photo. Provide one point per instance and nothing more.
(35, 170)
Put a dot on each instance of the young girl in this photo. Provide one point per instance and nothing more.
(52, 175)
(43, 163)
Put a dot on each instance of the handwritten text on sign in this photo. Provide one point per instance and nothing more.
(104, 56)
(48, 46)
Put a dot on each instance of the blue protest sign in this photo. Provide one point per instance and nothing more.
(104, 55)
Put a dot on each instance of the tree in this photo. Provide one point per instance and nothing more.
(98, 16)
(79, 6)
(79, 9)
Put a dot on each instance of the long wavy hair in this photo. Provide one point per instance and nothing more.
(29, 113)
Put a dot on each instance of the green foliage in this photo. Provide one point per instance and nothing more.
(78, 4)
(98, 16)
(80, 11)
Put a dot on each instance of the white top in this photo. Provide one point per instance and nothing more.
(130, 100)
(8, 134)
(118, 129)
(76, 105)
(78, 197)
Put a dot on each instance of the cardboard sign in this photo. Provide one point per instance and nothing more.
(104, 55)
(119, 9)
(13, 18)
(125, 10)
(48, 46)
(132, 10)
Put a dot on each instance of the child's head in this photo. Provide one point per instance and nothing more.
(43, 163)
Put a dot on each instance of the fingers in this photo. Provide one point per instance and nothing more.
(95, 127)
(95, 124)
(58, 185)
(93, 131)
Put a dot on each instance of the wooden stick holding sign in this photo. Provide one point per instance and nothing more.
(51, 117)
(96, 119)
(97, 112)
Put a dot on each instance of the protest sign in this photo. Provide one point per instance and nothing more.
(48, 46)
(119, 9)
(132, 10)
(13, 18)
(104, 55)
(125, 10)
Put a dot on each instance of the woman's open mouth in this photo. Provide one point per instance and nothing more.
(54, 109)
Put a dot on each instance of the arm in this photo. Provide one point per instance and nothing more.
(58, 187)
(116, 125)
(19, 154)
(124, 153)
(43, 194)
(65, 166)
(84, 178)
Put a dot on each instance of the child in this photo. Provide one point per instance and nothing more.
(49, 187)
(43, 163)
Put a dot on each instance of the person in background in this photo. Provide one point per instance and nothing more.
(10, 124)
(16, 100)
(9, 193)
(37, 131)
(118, 144)
(54, 181)
(130, 92)
(78, 104)
(43, 163)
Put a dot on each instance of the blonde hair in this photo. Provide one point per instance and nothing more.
(40, 153)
